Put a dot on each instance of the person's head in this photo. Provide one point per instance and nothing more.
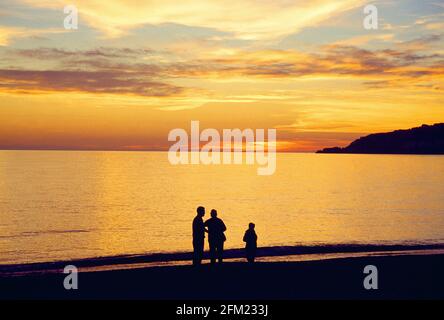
(251, 226)
(213, 213)
(200, 211)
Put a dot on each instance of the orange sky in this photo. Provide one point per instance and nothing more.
(135, 70)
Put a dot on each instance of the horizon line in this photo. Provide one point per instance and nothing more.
(133, 150)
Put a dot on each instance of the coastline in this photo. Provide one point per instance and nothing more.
(264, 254)
(400, 277)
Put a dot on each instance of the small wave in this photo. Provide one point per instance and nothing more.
(39, 233)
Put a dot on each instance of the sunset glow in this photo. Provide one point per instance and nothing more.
(135, 70)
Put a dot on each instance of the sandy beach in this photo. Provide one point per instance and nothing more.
(399, 277)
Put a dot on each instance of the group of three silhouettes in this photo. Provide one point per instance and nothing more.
(215, 228)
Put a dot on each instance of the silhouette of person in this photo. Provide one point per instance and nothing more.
(198, 236)
(250, 239)
(216, 236)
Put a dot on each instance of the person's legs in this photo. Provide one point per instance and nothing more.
(220, 251)
(213, 249)
(198, 247)
(201, 251)
(250, 254)
(195, 253)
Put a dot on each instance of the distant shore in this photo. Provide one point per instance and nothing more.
(424, 140)
(399, 277)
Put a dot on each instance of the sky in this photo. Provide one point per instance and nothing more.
(134, 70)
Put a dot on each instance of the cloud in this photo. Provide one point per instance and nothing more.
(332, 61)
(435, 26)
(102, 52)
(84, 81)
(248, 19)
(365, 39)
(122, 70)
(420, 43)
(9, 33)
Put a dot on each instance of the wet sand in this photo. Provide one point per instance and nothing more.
(399, 277)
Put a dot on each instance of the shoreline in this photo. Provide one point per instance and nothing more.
(399, 277)
(264, 254)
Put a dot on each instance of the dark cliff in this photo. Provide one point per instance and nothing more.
(421, 140)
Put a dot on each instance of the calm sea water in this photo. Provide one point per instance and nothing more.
(57, 205)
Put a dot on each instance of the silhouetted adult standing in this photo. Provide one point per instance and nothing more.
(250, 239)
(216, 236)
(198, 236)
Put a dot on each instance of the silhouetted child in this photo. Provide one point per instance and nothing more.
(250, 239)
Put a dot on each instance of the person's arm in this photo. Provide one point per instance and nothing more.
(224, 228)
(194, 227)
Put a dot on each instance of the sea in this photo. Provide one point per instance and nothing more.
(68, 205)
